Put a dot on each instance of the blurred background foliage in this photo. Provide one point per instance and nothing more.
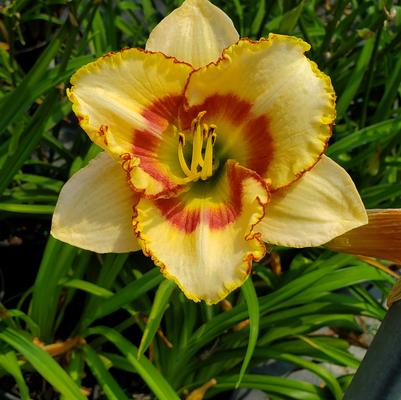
(76, 325)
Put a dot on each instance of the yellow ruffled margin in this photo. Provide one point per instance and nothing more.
(247, 260)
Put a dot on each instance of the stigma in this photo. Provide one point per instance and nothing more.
(202, 164)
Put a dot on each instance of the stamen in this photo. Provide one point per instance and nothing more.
(201, 163)
(197, 142)
(207, 170)
(181, 158)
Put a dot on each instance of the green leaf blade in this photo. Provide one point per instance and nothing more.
(252, 303)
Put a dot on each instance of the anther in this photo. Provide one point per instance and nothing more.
(211, 131)
(205, 131)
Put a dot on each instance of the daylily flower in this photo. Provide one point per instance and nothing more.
(213, 146)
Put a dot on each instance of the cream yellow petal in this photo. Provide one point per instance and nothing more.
(321, 205)
(127, 102)
(271, 82)
(380, 238)
(203, 239)
(95, 208)
(197, 32)
(119, 94)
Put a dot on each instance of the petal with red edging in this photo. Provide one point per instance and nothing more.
(285, 89)
(127, 102)
(204, 239)
(95, 207)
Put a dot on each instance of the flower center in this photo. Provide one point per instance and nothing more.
(202, 163)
